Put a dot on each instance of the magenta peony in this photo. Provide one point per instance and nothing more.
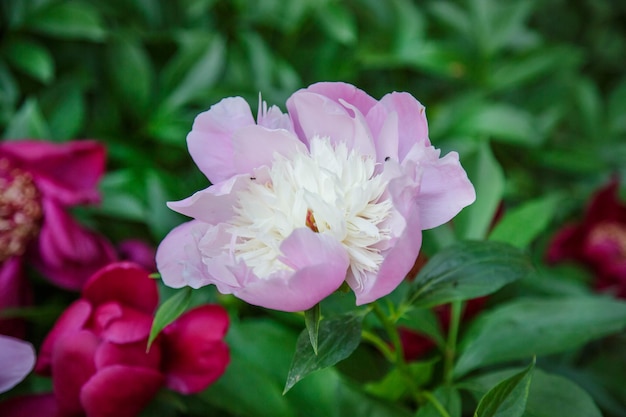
(337, 190)
(597, 241)
(38, 182)
(96, 351)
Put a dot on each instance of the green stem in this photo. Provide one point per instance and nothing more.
(380, 344)
(435, 402)
(453, 332)
(398, 356)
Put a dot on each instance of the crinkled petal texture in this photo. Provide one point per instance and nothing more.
(341, 193)
(17, 359)
(194, 353)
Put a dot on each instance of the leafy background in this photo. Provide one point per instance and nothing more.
(531, 93)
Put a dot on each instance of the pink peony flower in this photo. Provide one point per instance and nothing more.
(17, 359)
(38, 182)
(339, 189)
(598, 241)
(96, 351)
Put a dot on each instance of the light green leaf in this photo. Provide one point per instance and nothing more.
(526, 327)
(508, 398)
(169, 311)
(337, 21)
(338, 338)
(467, 270)
(312, 318)
(520, 226)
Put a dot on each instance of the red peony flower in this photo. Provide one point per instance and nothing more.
(38, 182)
(96, 351)
(597, 241)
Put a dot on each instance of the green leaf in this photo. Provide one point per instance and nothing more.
(32, 58)
(338, 338)
(488, 179)
(424, 321)
(527, 327)
(131, 74)
(508, 398)
(312, 318)
(338, 22)
(69, 20)
(448, 397)
(393, 386)
(467, 270)
(169, 311)
(520, 226)
(549, 395)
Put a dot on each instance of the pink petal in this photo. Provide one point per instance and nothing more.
(255, 146)
(71, 321)
(444, 187)
(17, 359)
(194, 351)
(316, 115)
(210, 139)
(411, 119)
(273, 118)
(132, 354)
(319, 266)
(41, 405)
(178, 258)
(72, 366)
(122, 282)
(65, 172)
(338, 91)
(120, 391)
(67, 253)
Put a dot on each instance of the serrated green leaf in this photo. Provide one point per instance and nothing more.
(527, 327)
(467, 270)
(169, 311)
(32, 58)
(508, 398)
(338, 338)
(68, 20)
(312, 318)
(520, 226)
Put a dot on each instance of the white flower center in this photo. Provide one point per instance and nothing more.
(330, 190)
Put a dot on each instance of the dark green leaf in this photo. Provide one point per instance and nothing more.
(338, 338)
(448, 397)
(528, 327)
(32, 58)
(71, 20)
(549, 395)
(312, 318)
(467, 270)
(169, 311)
(520, 226)
(508, 398)
(393, 386)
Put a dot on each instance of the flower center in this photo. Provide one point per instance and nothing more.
(329, 190)
(613, 233)
(20, 210)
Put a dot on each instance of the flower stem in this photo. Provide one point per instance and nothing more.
(450, 349)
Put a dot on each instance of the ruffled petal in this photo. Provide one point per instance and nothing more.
(17, 359)
(193, 348)
(72, 366)
(317, 115)
(67, 253)
(72, 320)
(120, 324)
(131, 354)
(178, 256)
(65, 172)
(124, 282)
(338, 91)
(255, 146)
(318, 264)
(120, 391)
(210, 139)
